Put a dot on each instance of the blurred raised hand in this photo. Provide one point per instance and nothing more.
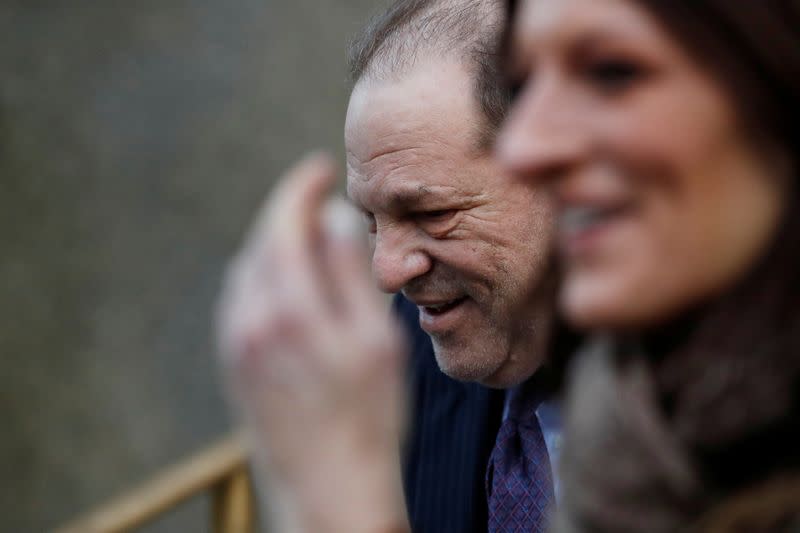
(313, 362)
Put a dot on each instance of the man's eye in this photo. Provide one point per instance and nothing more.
(437, 216)
(369, 220)
(614, 74)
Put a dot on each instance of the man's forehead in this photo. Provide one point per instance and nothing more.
(386, 131)
(397, 195)
(434, 103)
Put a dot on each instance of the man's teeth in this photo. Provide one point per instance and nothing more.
(436, 308)
(574, 219)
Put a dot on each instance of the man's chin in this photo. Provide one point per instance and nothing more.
(490, 369)
(468, 365)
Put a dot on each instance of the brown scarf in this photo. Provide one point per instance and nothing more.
(660, 430)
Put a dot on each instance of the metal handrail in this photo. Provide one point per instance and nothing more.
(221, 469)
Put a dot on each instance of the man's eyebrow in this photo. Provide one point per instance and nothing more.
(407, 197)
(403, 197)
(410, 197)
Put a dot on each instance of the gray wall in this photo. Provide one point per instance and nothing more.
(136, 139)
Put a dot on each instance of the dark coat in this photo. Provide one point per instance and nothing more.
(452, 428)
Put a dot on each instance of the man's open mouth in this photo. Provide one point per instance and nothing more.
(443, 307)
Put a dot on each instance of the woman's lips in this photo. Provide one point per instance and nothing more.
(576, 219)
(582, 229)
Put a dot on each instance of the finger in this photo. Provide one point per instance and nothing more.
(249, 272)
(347, 261)
(242, 316)
(274, 323)
(273, 279)
(362, 310)
(292, 258)
(262, 345)
(306, 182)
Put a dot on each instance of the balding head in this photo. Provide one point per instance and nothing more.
(449, 229)
(468, 31)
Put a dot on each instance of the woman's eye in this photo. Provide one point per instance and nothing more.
(614, 74)
(515, 88)
(515, 85)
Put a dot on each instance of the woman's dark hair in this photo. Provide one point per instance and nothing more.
(728, 372)
(752, 47)
(746, 345)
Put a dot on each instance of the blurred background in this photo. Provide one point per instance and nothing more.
(136, 141)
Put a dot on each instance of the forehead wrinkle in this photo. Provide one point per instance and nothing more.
(406, 154)
(395, 191)
(403, 135)
(415, 132)
(387, 155)
(394, 183)
(390, 144)
(381, 169)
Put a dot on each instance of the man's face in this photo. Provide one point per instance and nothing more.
(457, 237)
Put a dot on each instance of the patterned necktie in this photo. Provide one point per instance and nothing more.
(519, 482)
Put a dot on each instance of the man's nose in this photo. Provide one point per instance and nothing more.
(544, 134)
(397, 259)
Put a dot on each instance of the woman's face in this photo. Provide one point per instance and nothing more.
(663, 198)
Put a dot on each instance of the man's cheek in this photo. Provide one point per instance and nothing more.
(470, 258)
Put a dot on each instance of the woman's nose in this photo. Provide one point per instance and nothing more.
(543, 135)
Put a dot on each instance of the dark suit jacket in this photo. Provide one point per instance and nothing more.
(452, 430)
